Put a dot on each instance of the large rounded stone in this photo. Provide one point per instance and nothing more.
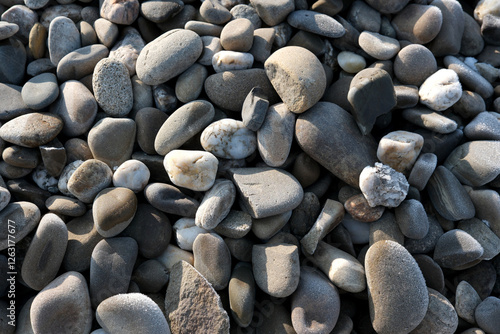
(168, 56)
(31, 130)
(345, 152)
(113, 210)
(297, 76)
(397, 293)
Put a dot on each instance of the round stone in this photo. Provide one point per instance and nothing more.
(131, 313)
(378, 46)
(297, 76)
(441, 90)
(24, 17)
(213, 12)
(400, 149)
(113, 210)
(212, 259)
(228, 139)
(351, 62)
(195, 170)
(237, 35)
(63, 306)
(106, 31)
(40, 91)
(413, 64)
(168, 56)
(132, 174)
(88, 179)
(64, 37)
(151, 276)
(418, 23)
(32, 130)
(236, 225)
(389, 267)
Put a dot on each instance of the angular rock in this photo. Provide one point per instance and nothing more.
(273, 12)
(441, 90)
(382, 185)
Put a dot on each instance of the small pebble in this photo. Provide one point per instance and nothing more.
(485, 126)
(414, 64)
(441, 316)
(400, 149)
(316, 23)
(170, 199)
(429, 119)
(254, 109)
(422, 170)
(88, 179)
(351, 62)
(378, 46)
(186, 232)
(487, 315)
(456, 248)
(64, 37)
(359, 209)
(106, 31)
(441, 90)
(275, 12)
(216, 204)
(236, 225)
(113, 209)
(212, 259)
(123, 12)
(231, 60)
(131, 174)
(382, 185)
(189, 85)
(242, 294)
(195, 170)
(412, 219)
(228, 139)
(418, 23)
(80, 62)
(237, 35)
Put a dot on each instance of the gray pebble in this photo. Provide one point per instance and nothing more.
(413, 64)
(484, 235)
(106, 31)
(441, 316)
(363, 17)
(87, 33)
(456, 248)
(412, 219)
(24, 17)
(468, 77)
(246, 12)
(263, 39)
(386, 228)
(65, 206)
(487, 315)
(12, 67)
(40, 91)
(189, 84)
(161, 11)
(148, 121)
(237, 35)
(39, 66)
(13, 104)
(418, 23)
(449, 39)
(31, 130)
(406, 96)
(8, 29)
(216, 204)
(490, 29)
(128, 48)
(236, 225)
(472, 41)
(81, 62)
(213, 12)
(378, 46)
(317, 23)
(273, 12)
(71, 11)
(21, 156)
(422, 170)
(170, 199)
(151, 276)
(265, 228)
(433, 274)
(211, 45)
(242, 294)
(26, 215)
(204, 28)
(64, 37)
(487, 204)
(466, 301)
(485, 126)
(212, 259)
(429, 119)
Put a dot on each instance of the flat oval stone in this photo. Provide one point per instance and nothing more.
(466, 301)
(315, 303)
(31, 130)
(236, 225)
(389, 267)
(111, 268)
(40, 91)
(276, 268)
(212, 259)
(214, 12)
(149, 121)
(111, 140)
(195, 170)
(23, 190)
(448, 196)
(229, 89)
(131, 313)
(26, 215)
(132, 174)
(182, 125)
(170, 199)
(113, 210)
(168, 56)
(429, 119)
(400, 149)
(192, 304)
(216, 204)
(106, 31)
(63, 306)
(246, 12)
(228, 139)
(64, 37)
(441, 316)
(326, 124)
(266, 191)
(161, 11)
(231, 60)
(13, 104)
(378, 46)
(189, 84)
(351, 62)
(8, 29)
(112, 87)
(298, 77)
(456, 248)
(46, 252)
(37, 41)
(357, 206)
(275, 136)
(19, 156)
(418, 23)
(72, 11)
(120, 12)
(88, 179)
(412, 219)
(66, 206)
(484, 235)
(317, 23)
(237, 35)
(12, 68)
(81, 62)
(242, 294)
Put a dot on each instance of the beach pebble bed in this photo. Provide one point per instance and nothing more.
(250, 166)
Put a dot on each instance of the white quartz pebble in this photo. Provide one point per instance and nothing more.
(229, 139)
(441, 90)
(132, 174)
(195, 170)
(231, 60)
(186, 232)
(382, 185)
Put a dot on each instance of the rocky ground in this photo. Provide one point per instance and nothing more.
(250, 166)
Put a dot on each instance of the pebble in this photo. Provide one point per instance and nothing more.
(111, 140)
(487, 315)
(22, 190)
(441, 90)
(351, 62)
(273, 13)
(65, 206)
(254, 109)
(111, 268)
(266, 228)
(212, 259)
(88, 179)
(87, 33)
(106, 31)
(8, 29)
(281, 279)
(13, 104)
(363, 17)
(40, 66)
(368, 88)
(378, 46)
(433, 274)
(31, 130)
(414, 64)
(485, 7)
(44, 180)
(161, 11)
(382, 185)
(418, 23)
(235, 225)
(474, 163)
(128, 48)
(472, 41)
(149, 122)
(123, 12)
(192, 304)
(63, 306)
(131, 313)
(168, 56)
(132, 174)
(441, 316)
(275, 136)
(40, 91)
(64, 37)
(412, 219)
(429, 119)
(243, 11)
(484, 235)
(170, 199)
(204, 28)
(389, 267)
(216, 204)
(77, 149)
(266, 191)
(5, 197)
(448, 40)
(151, 276)
(242, 294)
(314, 129)
(80, 62)
(306, 170)
(213, 12)
(263, 40)
(53, 157)
(448, 196)
(297, 76)
(19, 156)
(400, 149)
(113, 209)
(316, 23)
(470, 78)
(26, 215)
(231, 60)
(319, 314)
(12, 69)
(189, 84)
(487, 204)
(485, 126)
(470, 105)
(359, 209)
(237, 35)
(37, 41)
(195, 170)
(228, 139)
(24, 17)
(186, 232)
(457, 248)
(422, 170)
(13, 172)
(490, 28)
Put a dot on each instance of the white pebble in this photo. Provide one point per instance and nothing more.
(351, 62)
(186, 232)
(229, 139)
(231, 60)
(441, 90)
(132, 174)
(382, 185)
(195, 170)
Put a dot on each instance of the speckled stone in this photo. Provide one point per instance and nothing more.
(441, 316)
(195, 170)
(466, 301)
(487, 315)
